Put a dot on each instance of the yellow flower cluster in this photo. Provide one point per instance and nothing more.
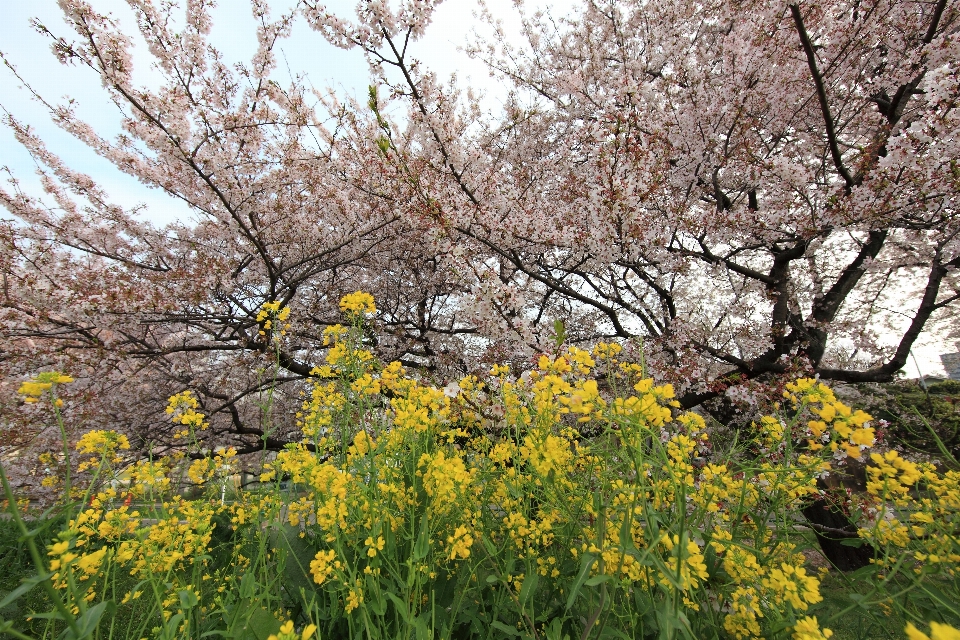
(271, 316)
(651, 406)
(105, 533)
(202, 470)
(287, 632)
(686, 559)
(500, 487)
(148, 477)
(445, 479)
(345, 353)
(103, 446)
(930, 533)
(844, 431)
(458, 544)
(323, 565)
(938, 631)
(34, 388)
(103, 443)
(182, 409)
(809, 629)
(420, 408)
(319, 411)
(891, 476)
(547, 453)
(792, 584)
(358, 303)
(763, 584)
(362, 444)
(607, 350)
(365, 385)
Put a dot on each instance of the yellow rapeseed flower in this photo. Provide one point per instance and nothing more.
(938, 631)
(809, 629)
(101, 441)
(323, 565)
(358, 302)
(373, 546)
(39, 384)
(459, 543)
(287, 632)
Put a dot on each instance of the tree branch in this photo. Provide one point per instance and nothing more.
(822, 97)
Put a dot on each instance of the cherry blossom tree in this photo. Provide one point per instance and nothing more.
(749, 187)
(733, 189)
(283, 184)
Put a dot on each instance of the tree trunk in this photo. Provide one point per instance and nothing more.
(834, 530)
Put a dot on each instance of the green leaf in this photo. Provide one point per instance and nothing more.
(296, 573)
(510, 631)
(378, 605)
(553, 630)
(400, 605)
(87, 623)
(11, 609)
(530, 582)
(261, 625)
(188, 599)
(47, 615)
(586, 561)
(489, 546)
(710, 559)
(667, 620)
(28, 584)
(944, 600)
(171, 627)
(559, 331)
(422, 546)
(862, 574)
(248, 586)
(852, 542)
(595, 580)
(421, 628)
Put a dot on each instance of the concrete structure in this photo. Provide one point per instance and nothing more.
(951, 363)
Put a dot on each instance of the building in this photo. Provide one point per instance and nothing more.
(951, 363)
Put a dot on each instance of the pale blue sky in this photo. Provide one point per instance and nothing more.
(234, 34)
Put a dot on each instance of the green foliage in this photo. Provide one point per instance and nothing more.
(481, 510)
(15, 568)
(913, 412)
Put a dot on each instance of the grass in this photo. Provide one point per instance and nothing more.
(856, 624)
(15, 566)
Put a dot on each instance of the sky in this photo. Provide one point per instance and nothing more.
(234, 34)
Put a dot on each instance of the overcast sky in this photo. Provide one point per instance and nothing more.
(234, 34)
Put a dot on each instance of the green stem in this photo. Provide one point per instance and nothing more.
(66, 453)
(13, 632)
